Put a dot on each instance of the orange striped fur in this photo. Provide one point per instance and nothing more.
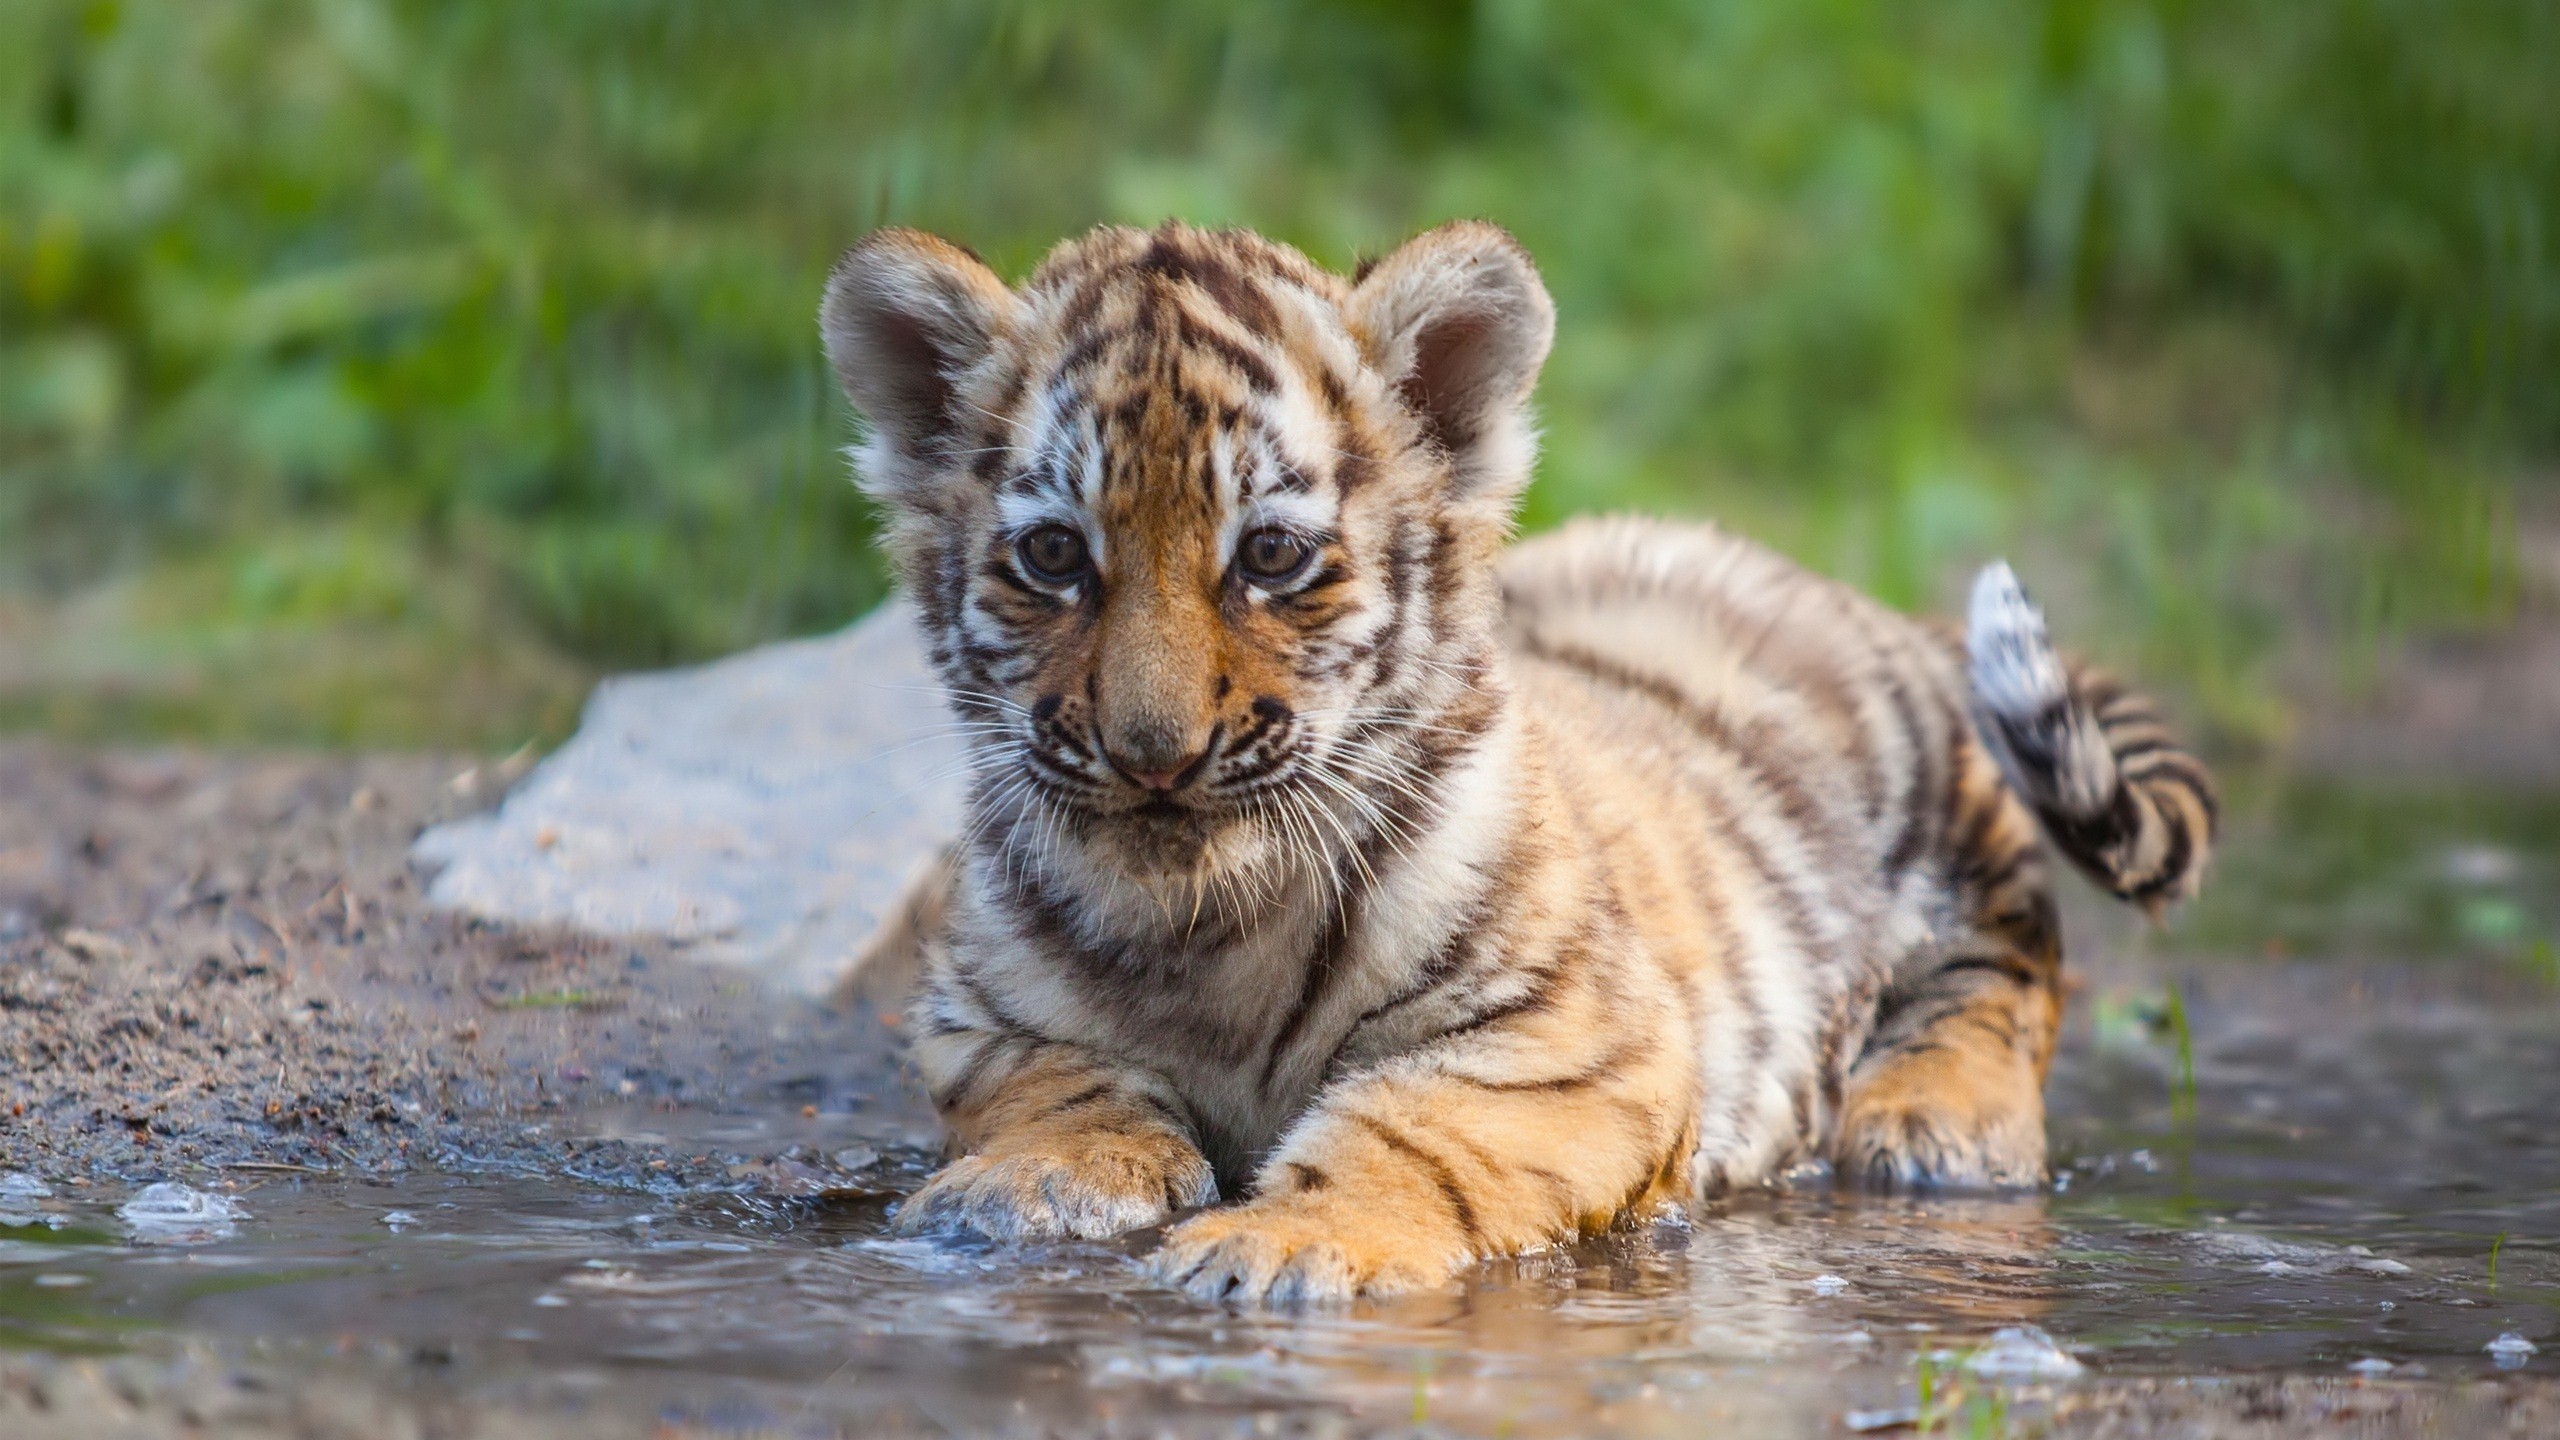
(1430, 900)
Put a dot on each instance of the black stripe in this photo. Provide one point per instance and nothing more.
(1608, 1066)
(2006, 966)
(2087, 839)
(1321, 966)
(1083, 1097)
(1539, 996)
(1240, 780)
(1082, 354)
(983, 657)
(955, 1091)
(1910, 838)
(975, 987)
(1209, 272)
(1252, 368)
(2123, 710)
(1352, 467)
(1835, 695)
(1796, 909)
(1438, 1171)
(1001, 571)
(1454, 955)
(2186, 772)
(1181, 1121)
(1967, 862)
(1793, 800)
(2172, 872)
(1557, 1186)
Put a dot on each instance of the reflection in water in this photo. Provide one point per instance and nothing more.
(1663, 1326)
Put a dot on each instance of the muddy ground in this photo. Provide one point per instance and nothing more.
(216, 965)
(218, 969)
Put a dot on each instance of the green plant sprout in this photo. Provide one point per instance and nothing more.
(2182, 1099)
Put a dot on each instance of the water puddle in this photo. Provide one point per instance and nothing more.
(2346, 1168)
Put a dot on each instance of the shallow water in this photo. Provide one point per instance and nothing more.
(2362, 1137)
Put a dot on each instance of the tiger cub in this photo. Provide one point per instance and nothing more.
(1432, 901)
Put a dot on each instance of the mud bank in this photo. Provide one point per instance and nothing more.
(216, 967)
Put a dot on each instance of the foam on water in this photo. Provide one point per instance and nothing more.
(2021, 1353)
(172, 1214)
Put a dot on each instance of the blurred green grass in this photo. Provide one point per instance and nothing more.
(378, 372)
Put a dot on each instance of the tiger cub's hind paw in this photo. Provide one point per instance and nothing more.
(1917, 1122)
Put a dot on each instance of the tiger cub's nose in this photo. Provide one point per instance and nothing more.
(1158, 757)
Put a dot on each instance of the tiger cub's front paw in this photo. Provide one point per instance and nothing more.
(1097, 1187)
(1286, 1250)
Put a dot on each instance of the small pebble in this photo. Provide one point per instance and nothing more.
(2022, 1352)
(172, 1214)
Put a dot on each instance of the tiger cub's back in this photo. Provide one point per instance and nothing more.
(1842, 713)
(1793, 744)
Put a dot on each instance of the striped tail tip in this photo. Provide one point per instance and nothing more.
(2045, 738)
(2096, 762)
(2016, 674)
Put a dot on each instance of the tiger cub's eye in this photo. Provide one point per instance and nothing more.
(1053, 553)
(1271, 555)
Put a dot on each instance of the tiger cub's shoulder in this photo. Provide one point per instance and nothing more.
(1630, 565)
(1687, 604)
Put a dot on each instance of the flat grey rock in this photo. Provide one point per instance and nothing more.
(766, 809)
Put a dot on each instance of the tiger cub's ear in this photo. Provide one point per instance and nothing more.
(1458, 323)
(906, 317)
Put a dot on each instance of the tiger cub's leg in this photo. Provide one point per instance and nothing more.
(1557, 1109)
(885, 972)
(1950, 1088)
(1396, 1184)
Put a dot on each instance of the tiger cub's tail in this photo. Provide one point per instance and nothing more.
(2110, 783)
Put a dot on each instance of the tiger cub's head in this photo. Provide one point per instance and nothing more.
(1202, 534)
